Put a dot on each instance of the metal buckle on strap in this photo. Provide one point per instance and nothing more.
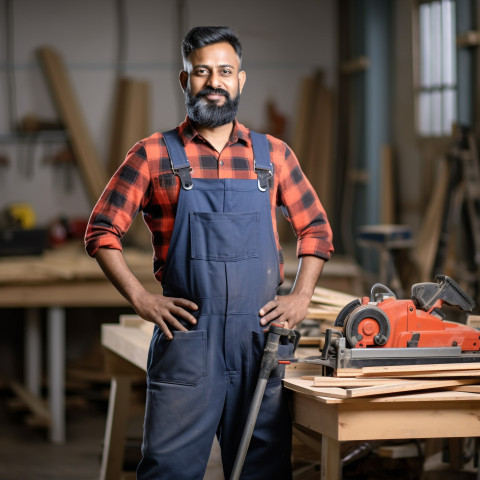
(185, 177)
(264, 175)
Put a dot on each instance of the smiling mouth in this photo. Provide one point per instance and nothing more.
(214, 97)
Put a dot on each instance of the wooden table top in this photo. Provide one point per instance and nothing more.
(67, 276)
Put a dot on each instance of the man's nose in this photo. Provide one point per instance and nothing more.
(214, 80)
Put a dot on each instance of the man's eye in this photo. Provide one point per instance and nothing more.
(226, 71)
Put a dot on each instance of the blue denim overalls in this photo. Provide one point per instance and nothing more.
(223, 257)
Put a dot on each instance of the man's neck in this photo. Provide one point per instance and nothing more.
(216, 136)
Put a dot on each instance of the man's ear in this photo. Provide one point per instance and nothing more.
(183, 77)
(242, 77)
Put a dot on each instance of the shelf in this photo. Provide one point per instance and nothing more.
(43, 136)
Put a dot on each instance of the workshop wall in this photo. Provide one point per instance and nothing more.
(281, 45)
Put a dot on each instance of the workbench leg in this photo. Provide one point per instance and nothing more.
(330, 465)
(33, 350)
(116, 428)
(56, 372)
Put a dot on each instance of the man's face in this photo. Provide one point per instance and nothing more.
(212, 84)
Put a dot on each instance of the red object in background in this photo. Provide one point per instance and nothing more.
(77, 227)
(63, 229)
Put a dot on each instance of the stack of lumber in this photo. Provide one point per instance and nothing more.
(371, 382)
(326, 303)
(324, 308)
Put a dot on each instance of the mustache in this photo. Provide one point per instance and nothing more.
(210, 90)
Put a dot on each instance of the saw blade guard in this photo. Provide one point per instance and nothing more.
(367, 326)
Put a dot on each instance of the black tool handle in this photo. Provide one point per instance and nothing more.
(425, 295)
(269, 362)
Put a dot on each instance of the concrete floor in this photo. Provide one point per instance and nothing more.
(26, 453)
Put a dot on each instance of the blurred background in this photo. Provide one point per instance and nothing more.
(378, 98)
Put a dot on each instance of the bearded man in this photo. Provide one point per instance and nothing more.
(208, 191)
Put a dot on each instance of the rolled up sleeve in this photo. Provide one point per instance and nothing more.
(304, 210)
(119, 203)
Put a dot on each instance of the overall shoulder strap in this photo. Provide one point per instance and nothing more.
(261, 160)
(178, 158)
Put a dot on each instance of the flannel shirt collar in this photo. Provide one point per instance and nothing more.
(187, 133)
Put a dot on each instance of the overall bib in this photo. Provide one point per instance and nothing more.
(223, 257)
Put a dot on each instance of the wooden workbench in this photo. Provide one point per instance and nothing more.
(60, 278)
(442, 414)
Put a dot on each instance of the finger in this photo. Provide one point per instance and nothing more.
(275, 315)
(180, 312)
(175, 323)
(272, 304)
(166, 331)
(183, 302)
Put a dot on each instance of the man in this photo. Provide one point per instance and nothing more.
(208, 192)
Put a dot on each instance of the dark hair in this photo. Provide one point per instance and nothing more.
(199, 37)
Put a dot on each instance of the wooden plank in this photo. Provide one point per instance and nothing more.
(388, 188)
(131, 118)
(350, 382)
(330, 464)
(66, 102)
(439, 367)
(467, 388)
(432, 375)
(322, 313)
(348, 372)
(473, 321)
(406, 450)
(116, 429)
(404, 386)
(401, 386)
(328, 296)
(429, 235)
(305, 386)
(440, 396)
(310, 341)
(130, 343)
(35, 404)
(302, 129)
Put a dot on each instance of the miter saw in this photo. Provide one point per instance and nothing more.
(383, 330)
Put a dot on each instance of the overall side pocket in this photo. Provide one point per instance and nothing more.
(181, 361)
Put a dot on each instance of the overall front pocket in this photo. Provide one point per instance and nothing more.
(181, 361)
(224, 236)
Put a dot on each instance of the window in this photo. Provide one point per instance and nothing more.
(437, 96)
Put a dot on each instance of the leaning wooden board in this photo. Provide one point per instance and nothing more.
(66, 102)
(399, 387)
(444, 395)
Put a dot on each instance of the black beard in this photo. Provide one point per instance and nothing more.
(207, 114)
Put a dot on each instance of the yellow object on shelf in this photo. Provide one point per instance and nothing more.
(24, 214)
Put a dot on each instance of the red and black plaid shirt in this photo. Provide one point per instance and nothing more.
(145, 182)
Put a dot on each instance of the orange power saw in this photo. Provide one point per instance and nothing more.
(383, 330)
